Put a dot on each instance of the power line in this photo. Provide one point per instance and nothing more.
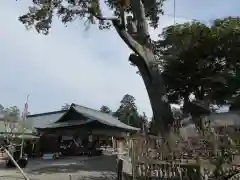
(175, 17)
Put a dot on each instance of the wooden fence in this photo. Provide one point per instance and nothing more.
(148, 157)
(142, 161)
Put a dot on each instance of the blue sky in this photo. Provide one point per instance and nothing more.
(73, 65)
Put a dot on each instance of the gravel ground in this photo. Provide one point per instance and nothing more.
(70, 168)
(74, 168)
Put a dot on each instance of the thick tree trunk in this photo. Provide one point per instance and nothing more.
(152, 78)
(144, 59)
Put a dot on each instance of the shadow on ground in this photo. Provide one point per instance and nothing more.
(97, 164)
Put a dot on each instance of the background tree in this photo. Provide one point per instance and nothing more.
(200, 61)
(105, 109)
(185, 70)
(1, 108)
(66, 106)
(11, 117)
(14, 126)
(128, 113)
(12, 112)
(131, 20)
(228, 49)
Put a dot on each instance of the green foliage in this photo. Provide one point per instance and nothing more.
(12, 111)
(128, 113)
(24, 126)
(40, 14)
(105, 109)
(66, 106)
(200, 60)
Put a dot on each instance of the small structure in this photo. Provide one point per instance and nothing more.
(79, 126)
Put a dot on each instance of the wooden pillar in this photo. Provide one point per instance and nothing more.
(114, 143)
(120, 146)
(37, 147)
(119, 169)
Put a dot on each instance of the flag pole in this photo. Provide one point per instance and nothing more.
(25, 112)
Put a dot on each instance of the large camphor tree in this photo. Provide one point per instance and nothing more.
(201, 60)
(131, 19)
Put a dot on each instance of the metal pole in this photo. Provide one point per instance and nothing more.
(24, 118)
(16, 164)
(22, 143)
(174, 12)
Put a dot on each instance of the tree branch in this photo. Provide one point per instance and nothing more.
(126, 37)
(101, 18)
(139, 15)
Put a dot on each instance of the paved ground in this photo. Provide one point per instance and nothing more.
(75, 168)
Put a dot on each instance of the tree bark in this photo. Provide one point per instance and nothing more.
(152, 78)
(145, 60)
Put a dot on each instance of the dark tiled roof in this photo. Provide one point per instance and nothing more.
(50, 119)
(102, 117)
(68, 124)
(43, 119)
(47, 113)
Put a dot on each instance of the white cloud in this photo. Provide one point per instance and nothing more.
(69, 65)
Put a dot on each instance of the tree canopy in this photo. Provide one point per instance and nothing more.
(201, 60)
(128, 113)
(66, 106)
(105, 109)
(12, 112)
(41, 13)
